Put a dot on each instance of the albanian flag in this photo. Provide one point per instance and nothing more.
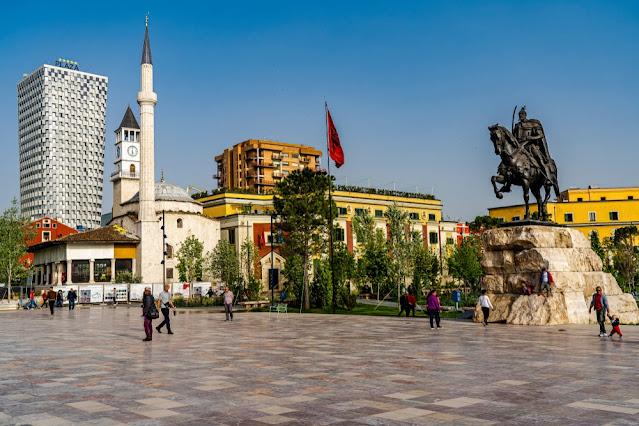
(334, 146)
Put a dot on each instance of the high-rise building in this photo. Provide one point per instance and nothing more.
(61, 131)
(259, 165)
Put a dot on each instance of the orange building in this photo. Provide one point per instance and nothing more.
(259, 165)
(47, 229)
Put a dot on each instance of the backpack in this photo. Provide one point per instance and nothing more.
(152, 312)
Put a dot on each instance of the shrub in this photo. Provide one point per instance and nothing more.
(197, 302)
(126, 277)
(346, 299)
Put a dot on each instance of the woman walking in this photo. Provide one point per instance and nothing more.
(433, 308)
(486, 306)
(148, 309)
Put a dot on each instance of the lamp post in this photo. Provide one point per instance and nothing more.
(162, 219)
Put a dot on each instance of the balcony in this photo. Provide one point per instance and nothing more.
(265, 182)
(305, 159)
(217, 176)
(262, 163)
(123, 174)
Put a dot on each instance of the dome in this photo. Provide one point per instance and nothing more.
(165, 191)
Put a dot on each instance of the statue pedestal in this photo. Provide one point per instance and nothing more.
(517, 253)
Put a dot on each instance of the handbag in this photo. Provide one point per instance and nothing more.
(153, 313)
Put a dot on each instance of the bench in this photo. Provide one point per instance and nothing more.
(280, 307)
(254, 304)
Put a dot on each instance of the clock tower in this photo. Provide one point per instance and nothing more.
(126, 178)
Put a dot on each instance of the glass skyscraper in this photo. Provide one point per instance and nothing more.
(61, 130)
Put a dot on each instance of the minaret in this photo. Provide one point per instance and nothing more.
(149, 252)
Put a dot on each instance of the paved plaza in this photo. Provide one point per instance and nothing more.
(90, 366)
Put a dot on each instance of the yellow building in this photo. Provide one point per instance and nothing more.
(593, 209)
(259, 164)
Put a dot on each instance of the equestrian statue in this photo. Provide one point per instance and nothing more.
(525, 161)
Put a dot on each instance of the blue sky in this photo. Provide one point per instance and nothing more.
(412, 86)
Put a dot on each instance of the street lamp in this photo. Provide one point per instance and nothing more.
(162, 219)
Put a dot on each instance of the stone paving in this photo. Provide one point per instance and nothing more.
(90, 366)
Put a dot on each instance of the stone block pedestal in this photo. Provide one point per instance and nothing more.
(519, 253)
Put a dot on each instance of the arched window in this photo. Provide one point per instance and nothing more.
(132, 168)
(169, 251)
(179, 223)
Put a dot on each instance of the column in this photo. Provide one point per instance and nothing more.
(112, 270)
(60, 271)
(57, 275)
(133, 263)
(91, 266)
(49, 274)
(69, 270)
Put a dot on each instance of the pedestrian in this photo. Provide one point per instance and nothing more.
(59, 299)
(71, 296)
(148, 312)
(526, 289)
(433, 308)
(32, 303)
(614, 320)
(410, 290)
(545, 281)
(228, 303)
(51, 296)
(44, 298)
(210, 292)
(115, 296)
(410, 304)
(600, 303)
(165, 300)
(486, 306)
(403, 304)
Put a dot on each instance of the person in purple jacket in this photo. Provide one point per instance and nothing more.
(433, 308)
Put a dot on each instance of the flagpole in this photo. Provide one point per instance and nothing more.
(330, 208)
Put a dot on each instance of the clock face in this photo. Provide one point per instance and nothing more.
(117, 152)
(133, 151)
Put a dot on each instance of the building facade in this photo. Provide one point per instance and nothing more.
(594, 209)
(259, 165)
(61, 138)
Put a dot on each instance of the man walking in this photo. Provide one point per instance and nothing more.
(71, 296)
(115, 297)
(51, 296)
(228, 303)
(600, 303)
(164, 301)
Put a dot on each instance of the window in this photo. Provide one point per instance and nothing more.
(630, 197)
(360, 212)
(132, 168)
(614, 215)
(603, 198)
(285, 155)
(580, 199)
(102, 270)
(414, 216)
(516, 218)
(169, 251)
(80, 271)
(46, 236)
(431, 217)
(338, 235)
(568, 217)
(179, 223)
(38, 225)
(379, 213)
(55, 225)
(47, 224)
(449, 241)
(232, 236)
(432, 237)
(169, 272)
(592, 216)
(284, 163)
(295, 156)
(341, 211)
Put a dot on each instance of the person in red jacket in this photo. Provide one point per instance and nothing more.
(410, 304)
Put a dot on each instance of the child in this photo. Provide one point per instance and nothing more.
(526, 289)
(614, 320)
(544, 282)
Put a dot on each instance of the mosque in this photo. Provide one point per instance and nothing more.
(146, 208)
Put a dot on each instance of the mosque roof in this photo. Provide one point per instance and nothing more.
(146, 49)
(129, 120)
(165, 191)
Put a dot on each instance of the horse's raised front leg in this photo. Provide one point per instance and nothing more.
(497, 179)
(526, 187)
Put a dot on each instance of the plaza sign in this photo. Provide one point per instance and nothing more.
(65, 63)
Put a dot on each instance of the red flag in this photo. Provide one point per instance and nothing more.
(334, 146)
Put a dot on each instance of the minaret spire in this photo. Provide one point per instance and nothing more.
(146, 49)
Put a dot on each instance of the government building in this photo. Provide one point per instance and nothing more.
(594, 209)
(61, 137)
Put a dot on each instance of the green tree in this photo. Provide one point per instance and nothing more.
(399, 246)
(597, 247)
(464, 261)
(248, 261)
(301, 202)
(484, 222)
(624, 254)
(16, 231)
(223, 264)
(425, 264)
(190, 259)
(372, 254)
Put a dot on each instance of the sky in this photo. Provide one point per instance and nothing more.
(412, 86)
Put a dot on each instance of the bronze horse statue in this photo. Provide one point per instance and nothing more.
(520, 168)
